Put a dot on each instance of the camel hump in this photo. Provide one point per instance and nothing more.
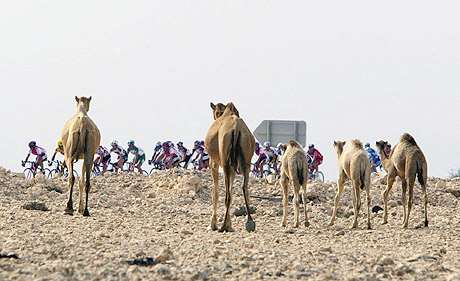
(293, 143)
(357, 144)
(408, 139)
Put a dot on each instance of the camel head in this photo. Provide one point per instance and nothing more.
(83, 103)
(338, 145)
(217, 110)
(384, 147)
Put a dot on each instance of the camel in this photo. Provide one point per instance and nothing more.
(230, 145)
(407, 162)
(294, 169)
(80, 138)
(353, 164)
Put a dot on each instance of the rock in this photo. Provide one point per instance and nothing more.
(379, 269)
(201, 275)
(165, 256)
(386, 261)
(440, 184)
(163, 269)
(340, 233)
(392, 203)
(37, 206)
(403, 270)
(377, 209)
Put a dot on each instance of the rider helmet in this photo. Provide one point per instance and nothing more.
(267, 144)
(311, 146)
(367, 145)
(180, 144)
(32, 144)
(131, 142)
(114, 143)
(280, 145)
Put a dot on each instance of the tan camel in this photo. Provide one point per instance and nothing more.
(353, 164)
(407, 162)
(294, 169)
(384, 149)
(80, 138)
(230, 145)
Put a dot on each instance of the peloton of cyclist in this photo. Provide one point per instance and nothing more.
(122, 155)
(102, 157)
(373, 157)
(315, 159)
(139, 155)
(39, 152)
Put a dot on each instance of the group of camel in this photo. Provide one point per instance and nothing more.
(231, 146)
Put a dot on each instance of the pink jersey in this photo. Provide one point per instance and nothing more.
(37, 151)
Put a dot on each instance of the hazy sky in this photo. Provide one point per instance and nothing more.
(351, 69)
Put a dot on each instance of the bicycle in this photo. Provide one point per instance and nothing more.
(157, 166)
(31, 171)
(59, 170)
(131, 167)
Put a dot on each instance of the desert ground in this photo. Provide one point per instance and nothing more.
(166, 217)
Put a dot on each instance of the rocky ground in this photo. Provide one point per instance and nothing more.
(166, 217)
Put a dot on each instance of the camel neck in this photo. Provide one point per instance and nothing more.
(81, 110)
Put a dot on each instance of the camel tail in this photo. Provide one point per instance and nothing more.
(420, 172)
(236, 160)
(363, 176)
(300, 172)
(80, 141)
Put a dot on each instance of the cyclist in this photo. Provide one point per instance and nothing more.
(184, 153)
(157, 150)
(122, 155)
(102, 157)
(40, 154)
(139, 155)
(59, 149)
(170, 155)
(373, 157)
(271, 155)
(316, 159)
(203, 161)
(258, 166)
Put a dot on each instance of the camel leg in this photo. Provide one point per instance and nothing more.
(215, 194)
(69, 208)
(88, 165)
(304, 200)
(81, 189)
(410, 201)
(390, 181)
(340, 188)
(229, 176)
(425, 204)
(296, 202)
(285, 189)
(368, 199)
(250, 224)
(356, 203)
(404, 199)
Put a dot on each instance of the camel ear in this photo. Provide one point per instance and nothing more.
(335, 143)
(89, 99)
(77, 99)
(213, 106)
(232, 108)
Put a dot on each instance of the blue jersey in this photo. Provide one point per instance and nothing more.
(373, 156)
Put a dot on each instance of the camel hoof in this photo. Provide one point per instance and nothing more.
(426, 223)
(86, 213)
(213, 227)
(224, 229)
(250, 226)
(369, 227)
(385, 222)
(68, 212)
(331, 224)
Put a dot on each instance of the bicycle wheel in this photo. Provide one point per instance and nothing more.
(319, 177)
(51, 173)
(144, 172)
(29, 174)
